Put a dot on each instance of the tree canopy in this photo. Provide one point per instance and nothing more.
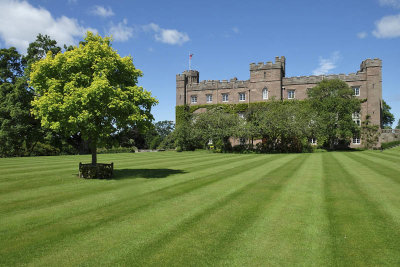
(387, 116)
(18, 129)
(334, 104)
(90, 89)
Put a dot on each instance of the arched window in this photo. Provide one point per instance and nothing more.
(265, 93)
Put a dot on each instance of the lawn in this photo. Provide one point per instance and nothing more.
(200, 208)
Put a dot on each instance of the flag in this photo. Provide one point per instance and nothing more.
(190, 56)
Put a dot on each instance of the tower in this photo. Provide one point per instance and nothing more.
(373, 70)
(182, 80)
(268, 75)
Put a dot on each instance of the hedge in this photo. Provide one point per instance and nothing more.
(390, 144)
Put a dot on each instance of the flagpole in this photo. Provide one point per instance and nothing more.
(190, 59)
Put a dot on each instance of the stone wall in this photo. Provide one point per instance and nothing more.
(389, 135)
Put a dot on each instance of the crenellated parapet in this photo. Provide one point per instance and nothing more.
(180, 77)
(313, 79)
(376, 62)
(218, 84)
(278, 64)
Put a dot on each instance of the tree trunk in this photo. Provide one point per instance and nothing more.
(93, 148)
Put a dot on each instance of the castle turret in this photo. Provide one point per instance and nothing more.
(182, 80)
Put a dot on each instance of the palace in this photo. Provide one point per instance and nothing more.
(268, 80)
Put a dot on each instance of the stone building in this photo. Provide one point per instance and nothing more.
(268, 80)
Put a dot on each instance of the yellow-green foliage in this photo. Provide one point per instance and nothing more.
(90, 89)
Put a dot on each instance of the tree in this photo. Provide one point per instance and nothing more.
(39, 49)
(216, 125)
(18, 129)
(91, 90)
(283, 126)
(185, 135)
(387, 116)
(164, 128)
(334, 104)
(398, 125)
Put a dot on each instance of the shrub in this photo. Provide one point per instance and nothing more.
(104, 150)
(390, 144)
(43, 149)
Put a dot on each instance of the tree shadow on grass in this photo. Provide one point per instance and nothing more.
(120, 174)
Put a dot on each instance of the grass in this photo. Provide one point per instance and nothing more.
(202, 209)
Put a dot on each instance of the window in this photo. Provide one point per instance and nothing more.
(193, 99)
(209, 98)
(242, 96)
(313, 141)
(356, 140)
(242, 141)
(290, 94)
(225, 98)
(265, 75)
(356, 91)
(356, 118)
(265, 93)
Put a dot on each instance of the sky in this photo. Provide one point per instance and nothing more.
(316, 37)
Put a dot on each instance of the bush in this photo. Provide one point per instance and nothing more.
(168, 142)
(246, 148)
(389, 144)
(43, 149)
(104, 150)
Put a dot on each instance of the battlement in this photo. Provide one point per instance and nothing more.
(180, 77)
(376, 62)
(218, 84)
(313, 79)
(191, 72)
(279, 64)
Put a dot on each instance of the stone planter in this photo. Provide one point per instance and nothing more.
(98, 171)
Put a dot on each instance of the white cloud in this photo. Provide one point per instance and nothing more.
(102, 11)
(362, 35)
(167, 36)
(235, 29)
(327, 64)
(20, 23)
(387, 27)
(392, 3)
(121, 31)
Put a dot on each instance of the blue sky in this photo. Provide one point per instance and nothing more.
(224, 36)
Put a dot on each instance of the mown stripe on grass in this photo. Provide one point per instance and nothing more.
(219, 225)
(31, 237)
(44, 168)
(383, 156)
(37, 179)
(21, 200)
(381, 189)
(292, 230)
(361, 234)
(190, 164)
(38, 214)
(132, 232)
(378, 166)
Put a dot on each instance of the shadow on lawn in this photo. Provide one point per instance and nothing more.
(144, 173)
